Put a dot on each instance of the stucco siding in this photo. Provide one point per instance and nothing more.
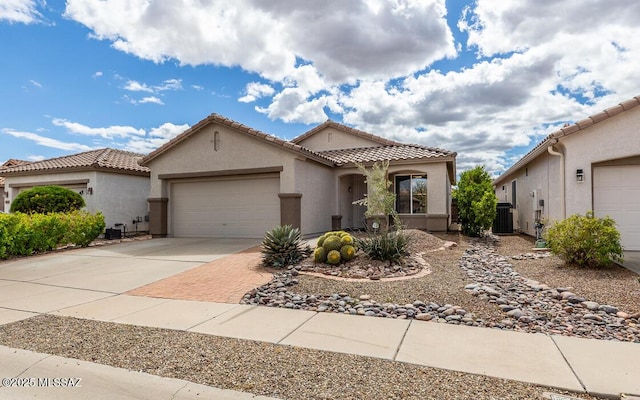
(13, 184)
(122, 199)
(614, 138)
(332, 139)
(318, 187)
(236, 151)
(437, 183)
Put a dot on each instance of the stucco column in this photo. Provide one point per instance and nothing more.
(290, 209)
(158, 216)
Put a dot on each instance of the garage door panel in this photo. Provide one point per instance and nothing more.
(616, 193)
(225, 208)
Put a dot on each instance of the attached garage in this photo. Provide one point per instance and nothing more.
(235, 207)
(616, 193)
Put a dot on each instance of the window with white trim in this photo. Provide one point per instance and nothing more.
(411, 194)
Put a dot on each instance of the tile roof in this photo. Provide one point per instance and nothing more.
(103, 159)
(345, 128)
(219, 119)
(382, 153)
(389, 149)
(570, 130)
(10, 163)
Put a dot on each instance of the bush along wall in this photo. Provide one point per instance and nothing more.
(27, 234)
(335, 248)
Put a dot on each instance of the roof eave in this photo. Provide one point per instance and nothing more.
(255, 134)
(408, 161)
(50, 171)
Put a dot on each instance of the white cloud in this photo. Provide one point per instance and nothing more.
(35, 158)
(398, 38)
(134, 86)
(197, 87)
(256, 90)
(35, 83)
(97, 74)
(169, 84)
(20, 11)
(47, 142)
(538, 63)
(151, 99)
(107, 132)
(155, 138)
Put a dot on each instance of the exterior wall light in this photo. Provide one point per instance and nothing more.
(579, 175)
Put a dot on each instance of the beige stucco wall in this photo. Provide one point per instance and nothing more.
(438, 188)
(542, 177)
(614, 138)
(331, 139)
(317, 184)
(119, 197)
(236, 151)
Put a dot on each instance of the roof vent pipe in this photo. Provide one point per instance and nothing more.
(563, 203)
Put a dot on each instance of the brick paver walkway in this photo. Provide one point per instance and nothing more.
(224, 280)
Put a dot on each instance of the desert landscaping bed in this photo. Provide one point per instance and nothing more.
(494, 282)
(259, 368)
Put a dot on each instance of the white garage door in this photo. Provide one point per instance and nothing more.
(616, 193)
(241, 208)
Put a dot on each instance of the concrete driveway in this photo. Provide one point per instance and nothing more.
(51, 282)
(632, 261)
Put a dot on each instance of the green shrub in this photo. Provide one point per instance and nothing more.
(282, 246)
(47, 199)
(389, 246)
(84, 227)
(476, 201)
(26, 234)
(585, 241)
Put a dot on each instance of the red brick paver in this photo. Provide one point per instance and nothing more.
(224, 280)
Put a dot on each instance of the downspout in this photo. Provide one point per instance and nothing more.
(562, 178)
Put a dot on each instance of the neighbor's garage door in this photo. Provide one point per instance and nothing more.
(241, 208)
(616, 193)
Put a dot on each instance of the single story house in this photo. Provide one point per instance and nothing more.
(593, 164)
(5, 195)
(220, 178)
(109, 180)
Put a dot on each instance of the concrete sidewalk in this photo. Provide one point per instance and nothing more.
(602, 368)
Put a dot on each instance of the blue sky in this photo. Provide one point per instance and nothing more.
(486, 79)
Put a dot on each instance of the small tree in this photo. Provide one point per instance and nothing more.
(47, 199)
(384, 244)
(380, 199)
(585, 241)
(476, 201)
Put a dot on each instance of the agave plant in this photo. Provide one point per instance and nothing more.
(282, 246)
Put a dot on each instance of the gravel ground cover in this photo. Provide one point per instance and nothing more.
(613, 285)
(493, 282)
(260, 368)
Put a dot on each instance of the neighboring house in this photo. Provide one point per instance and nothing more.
(109, 180)
(593, 164)
(5, 195)
(223, 179)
